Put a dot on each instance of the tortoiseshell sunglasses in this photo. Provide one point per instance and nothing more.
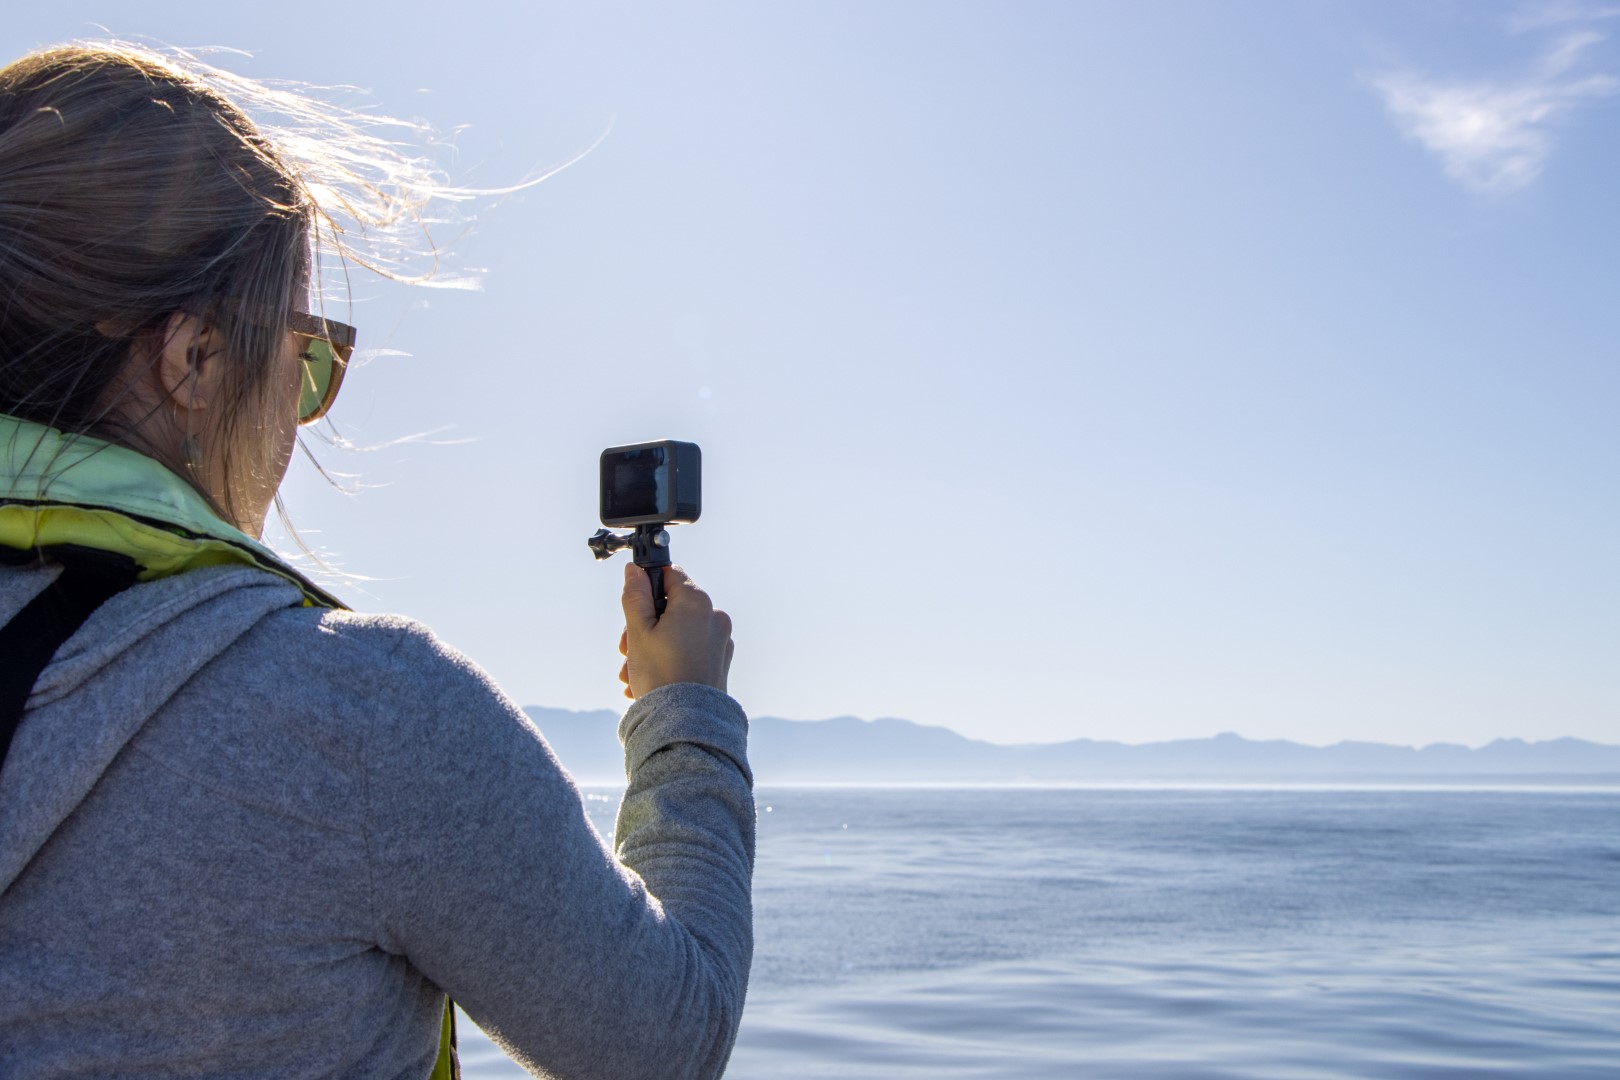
(328, 344)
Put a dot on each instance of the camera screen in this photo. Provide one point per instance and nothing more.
(640, 484)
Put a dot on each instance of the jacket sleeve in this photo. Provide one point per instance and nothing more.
(488, 876)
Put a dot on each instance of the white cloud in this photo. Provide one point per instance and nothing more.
(1496, 136)
(1547, 13)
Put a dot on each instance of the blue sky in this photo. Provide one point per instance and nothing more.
(1125, 371)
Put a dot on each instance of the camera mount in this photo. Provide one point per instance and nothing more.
(649, 549)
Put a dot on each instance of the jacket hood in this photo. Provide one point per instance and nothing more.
(127, 660)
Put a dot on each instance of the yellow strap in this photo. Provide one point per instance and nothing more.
(159, 552)
(447, 1067)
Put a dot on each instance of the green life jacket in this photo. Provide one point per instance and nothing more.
(64, 489)
(59, 489)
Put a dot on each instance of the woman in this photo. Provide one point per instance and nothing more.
(244, 832)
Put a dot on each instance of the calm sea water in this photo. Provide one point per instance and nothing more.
(1254, 934)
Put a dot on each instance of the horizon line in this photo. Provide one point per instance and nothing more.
(1157, 742)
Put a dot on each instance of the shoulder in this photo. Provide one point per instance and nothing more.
(391, 662)
(370, 638)
(422, 723)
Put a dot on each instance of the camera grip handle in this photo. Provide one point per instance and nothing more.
(655, 574)
(649, 546)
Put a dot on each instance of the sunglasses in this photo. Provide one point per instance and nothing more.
(325, 356)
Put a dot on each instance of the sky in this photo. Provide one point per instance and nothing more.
(1062, 370)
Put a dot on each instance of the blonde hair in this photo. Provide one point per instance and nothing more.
(134, 186)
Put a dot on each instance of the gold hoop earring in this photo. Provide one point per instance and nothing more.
(191, 452)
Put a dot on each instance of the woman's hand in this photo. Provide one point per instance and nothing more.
(691, 642)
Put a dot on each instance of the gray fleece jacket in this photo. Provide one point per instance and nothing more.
(243, 838)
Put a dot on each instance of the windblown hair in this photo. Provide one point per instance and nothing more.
(132, 187)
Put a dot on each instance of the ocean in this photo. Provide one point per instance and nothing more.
(1191, 933)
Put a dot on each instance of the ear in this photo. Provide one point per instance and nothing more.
(190, 367)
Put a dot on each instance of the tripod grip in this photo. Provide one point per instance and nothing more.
(655, 574)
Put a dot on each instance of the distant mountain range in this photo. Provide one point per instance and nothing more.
(850, 750)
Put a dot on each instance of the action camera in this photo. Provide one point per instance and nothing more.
(646, 486)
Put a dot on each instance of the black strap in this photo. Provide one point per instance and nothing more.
(27, 643)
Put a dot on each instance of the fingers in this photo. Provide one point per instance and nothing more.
(679, 589)
(690, 643)
(638, 599)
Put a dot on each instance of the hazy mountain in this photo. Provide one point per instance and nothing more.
(847, 749)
